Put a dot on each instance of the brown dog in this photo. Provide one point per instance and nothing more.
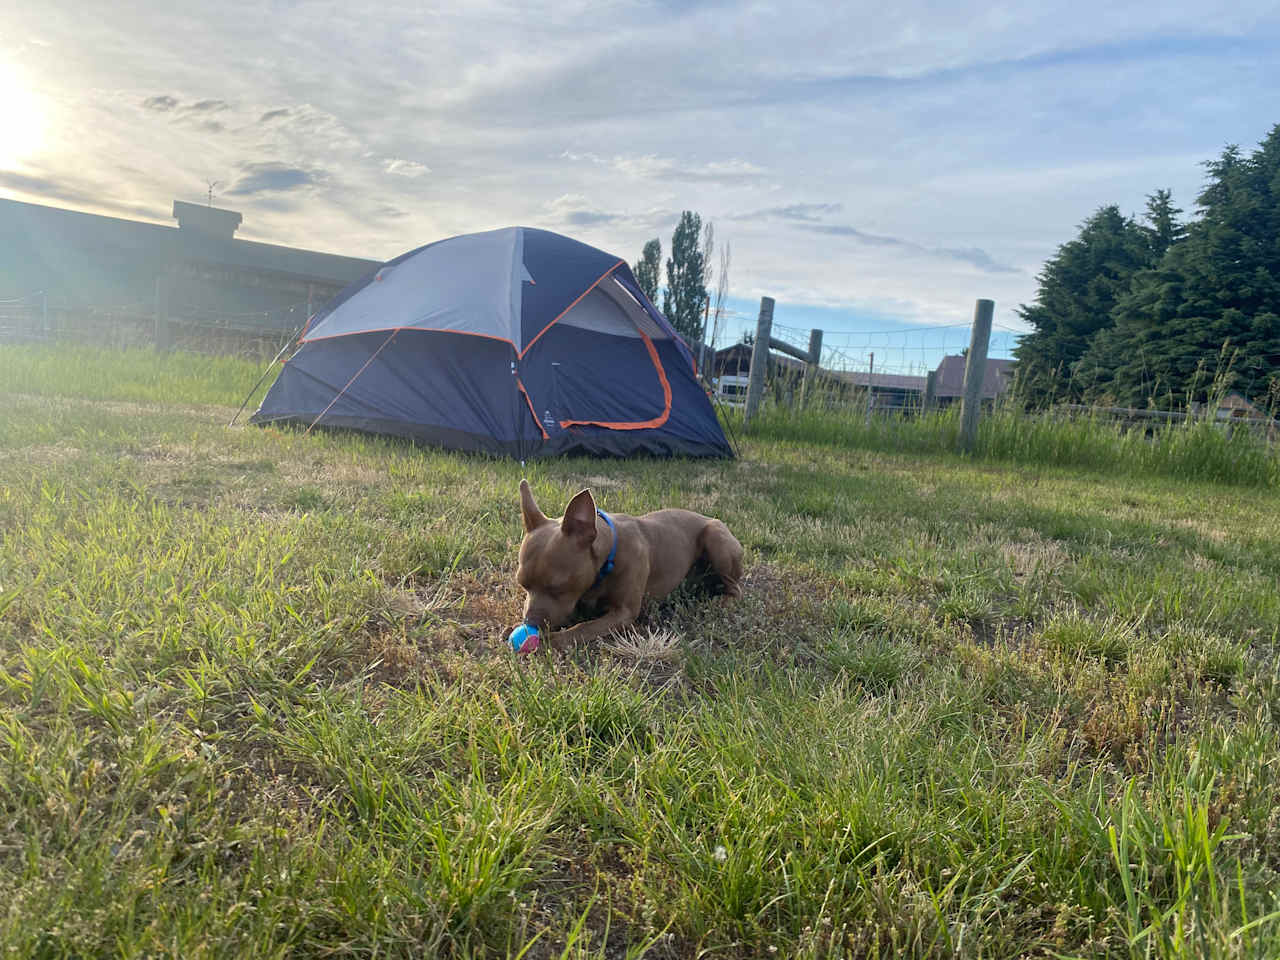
(565, 562)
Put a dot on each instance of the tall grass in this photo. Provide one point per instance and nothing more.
(1196, 449)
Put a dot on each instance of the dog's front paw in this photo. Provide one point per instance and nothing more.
(560, 642)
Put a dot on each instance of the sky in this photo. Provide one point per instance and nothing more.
(874, 168)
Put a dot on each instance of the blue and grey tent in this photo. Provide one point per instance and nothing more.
(516, 342)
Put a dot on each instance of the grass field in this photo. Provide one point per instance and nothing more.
(253, 699)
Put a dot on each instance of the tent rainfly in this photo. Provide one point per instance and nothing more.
(516, 342)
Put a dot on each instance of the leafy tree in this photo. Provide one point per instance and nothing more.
(648, 268)
(1213, 300)
(685, 298)
(1079, 287)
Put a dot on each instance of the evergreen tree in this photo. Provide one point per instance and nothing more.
(685, 298)
(1212, 301)
(648, 267)
(1078, 289)
(1163, 227)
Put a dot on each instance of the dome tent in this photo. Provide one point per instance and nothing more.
(517, 342)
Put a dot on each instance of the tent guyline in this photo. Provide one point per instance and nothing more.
(348, 384)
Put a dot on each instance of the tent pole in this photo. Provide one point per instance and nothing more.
(288, 344)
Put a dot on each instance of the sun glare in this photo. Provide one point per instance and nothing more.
(22, 120)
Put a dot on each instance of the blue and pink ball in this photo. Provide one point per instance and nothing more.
(524, 638)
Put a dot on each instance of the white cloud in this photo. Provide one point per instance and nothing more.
(576, 210)
(933, 145)
(407, 168)
(652, 167)
(665, 168)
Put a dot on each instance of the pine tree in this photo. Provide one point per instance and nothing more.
(1163, 229)
(685, 298)
(1078, 289)
(648, 267)
(1212, 301)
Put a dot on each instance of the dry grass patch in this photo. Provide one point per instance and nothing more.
(647, 645)
(1031, 554)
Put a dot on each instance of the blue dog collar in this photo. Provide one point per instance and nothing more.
(613, 550)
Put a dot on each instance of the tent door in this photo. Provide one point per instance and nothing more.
(631, 393)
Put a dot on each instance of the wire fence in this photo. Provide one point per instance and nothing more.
(907, 370)
(22, 316)
(899, 351)
(38, 318)
(885, 369)
(903, 368)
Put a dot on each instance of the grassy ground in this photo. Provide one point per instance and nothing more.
(253, 701)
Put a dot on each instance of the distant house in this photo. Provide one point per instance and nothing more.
(1235, 406)
(731, 366)
(949, 379)
(197, 269)
(735, 361)
(889, 391)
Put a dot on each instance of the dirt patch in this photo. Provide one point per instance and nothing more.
(435, 628)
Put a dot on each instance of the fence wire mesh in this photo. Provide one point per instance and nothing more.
(40, 318)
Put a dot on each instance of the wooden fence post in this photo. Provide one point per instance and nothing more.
(811, 368)
(930, 391)
(759, 359)
(975, 371)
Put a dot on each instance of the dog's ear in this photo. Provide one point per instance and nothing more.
(579, 521)
(533, 517)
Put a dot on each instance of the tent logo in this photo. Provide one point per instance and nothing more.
(547, 419)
